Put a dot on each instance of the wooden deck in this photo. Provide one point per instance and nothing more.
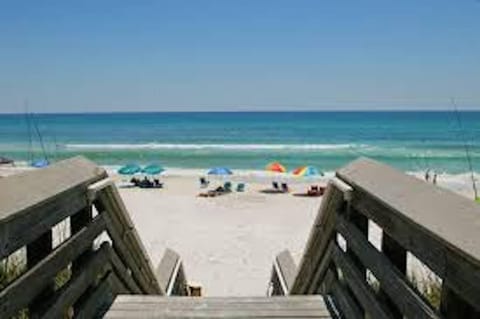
(126, 306)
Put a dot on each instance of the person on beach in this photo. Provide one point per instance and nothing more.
(434, 180)
(427, 175)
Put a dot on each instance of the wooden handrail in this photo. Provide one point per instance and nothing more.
(32, 204)
(438, 227)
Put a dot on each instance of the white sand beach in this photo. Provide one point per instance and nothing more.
(228, 243)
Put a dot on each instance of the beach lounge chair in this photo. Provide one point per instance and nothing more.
(316, 190)
(275, 186)
(240, 187)
(204, 182)
(285, 188)
(227, 187)
(212, 193)
(145, 183)
(313, 191)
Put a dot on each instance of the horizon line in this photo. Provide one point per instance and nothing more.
(245, 111)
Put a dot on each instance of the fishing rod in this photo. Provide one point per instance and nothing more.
(29, 131)
(466, 146)
(40, 138)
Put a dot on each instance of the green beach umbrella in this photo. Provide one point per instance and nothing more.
(153, 169)
(129, 169)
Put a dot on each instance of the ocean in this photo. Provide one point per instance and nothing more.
(410, 141)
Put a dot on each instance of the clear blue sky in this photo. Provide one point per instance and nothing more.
(84, 56)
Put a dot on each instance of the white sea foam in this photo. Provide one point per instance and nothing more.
(213, 146)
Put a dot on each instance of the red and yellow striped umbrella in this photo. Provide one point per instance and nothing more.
(276, 167)
(306, 171)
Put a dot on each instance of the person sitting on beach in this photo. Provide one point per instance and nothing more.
(203, 182)
(135, 181)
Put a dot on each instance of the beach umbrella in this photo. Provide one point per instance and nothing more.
(276, 167)
(306, 171)
(220, 171)
(129, 169)
(40, 163)
(153, 169)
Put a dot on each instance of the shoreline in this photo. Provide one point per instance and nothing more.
(459, 183)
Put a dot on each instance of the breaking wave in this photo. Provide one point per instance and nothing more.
(242, 147)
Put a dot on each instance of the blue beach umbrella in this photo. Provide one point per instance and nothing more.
(153, 169)
(40, 163)
(129, 169)
(220, 171)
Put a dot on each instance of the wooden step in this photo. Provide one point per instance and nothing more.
(135, 306)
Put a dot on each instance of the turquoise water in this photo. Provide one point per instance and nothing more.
(408, 140)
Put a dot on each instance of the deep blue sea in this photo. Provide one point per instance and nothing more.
(412, 141)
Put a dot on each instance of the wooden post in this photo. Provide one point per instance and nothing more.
(452, 306)
(361, 222)
(36, 251)
(77, 222)
(398, 256)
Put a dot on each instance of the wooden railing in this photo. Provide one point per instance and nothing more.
(437, 227)
(102, 256)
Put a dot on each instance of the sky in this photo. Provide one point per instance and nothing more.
(233, 55)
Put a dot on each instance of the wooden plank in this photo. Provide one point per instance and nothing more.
(166, 270)
(286, 269)
(233, 300)
(187, 307)
(25, 288)
(53, 194)
(66, 297)
(319, 238)
(179, 286)
(397, 255)
(452, 306)
(122, 272)
(25, 228)
(445, 215)
(36, 251)
(436, 225)
(394, 283)
(361, 223)
(345, 303)
(99, 300)
(125, 255)
(95, 188)
(77, 222)
(110, 200)
(441, 259)
(133, 239)
(356, 281)
(316, 283)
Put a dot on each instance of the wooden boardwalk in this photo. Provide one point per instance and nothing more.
(157, 307)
